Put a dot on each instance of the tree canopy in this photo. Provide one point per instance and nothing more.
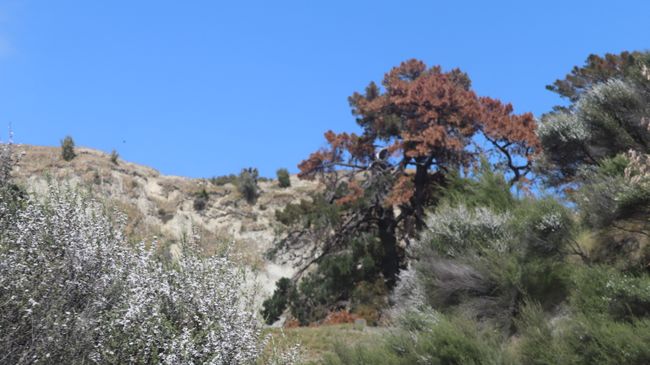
(428, 121)
(420, 127)
(608, 115)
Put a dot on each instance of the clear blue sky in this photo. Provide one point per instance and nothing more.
(203, 88)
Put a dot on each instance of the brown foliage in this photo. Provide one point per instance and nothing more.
(355, 193)
(292, 323)
(430, 117)
(429, 112)
(417, 127)
(358, 148)
(402, 191)
(339, 317)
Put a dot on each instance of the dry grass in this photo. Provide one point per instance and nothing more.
(317, 342)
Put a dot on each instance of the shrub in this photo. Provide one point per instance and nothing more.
(274, 306)
(346, 280)
(458, 230)
(614, 199)
(430, 339)
(67, 149)
(247, 184)
(201, 200)
(224, 179)
(313, 213)
(581, 339)
(73, 291)
(317, 293)
(12, 196)
(284, 180)
(114, 157)
(164, 215)
(465, 261)
(545, 225)
(603, 341)
(545, 280)
(600, 290)
(538, 345)
(369, 299)
(564, 137)
(483, 251)
(7, 162)
(488, 189)
(617, 189)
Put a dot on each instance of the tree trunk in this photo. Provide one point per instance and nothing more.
(392, 254)
(420, 195)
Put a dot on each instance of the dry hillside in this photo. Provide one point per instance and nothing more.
(163, 206)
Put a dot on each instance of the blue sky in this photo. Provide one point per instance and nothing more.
(204, 88)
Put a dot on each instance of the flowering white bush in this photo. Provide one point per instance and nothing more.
(594, 103)
(564, 127)
(6, 162)
(72, 290)
(456, 229)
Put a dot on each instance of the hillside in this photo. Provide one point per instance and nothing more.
(163, 206)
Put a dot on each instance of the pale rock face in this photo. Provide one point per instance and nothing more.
(163, 206)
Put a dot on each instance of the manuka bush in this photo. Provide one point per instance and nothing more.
(73, 291)
(284, 180)
(67, 148)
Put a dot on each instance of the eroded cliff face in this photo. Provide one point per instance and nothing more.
(163, 207)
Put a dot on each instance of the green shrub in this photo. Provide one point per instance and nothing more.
(314, 213)
(619, 188)
(484, 251)
(201, 200)
(546, 281)
(114, 157)
(601, 290)
(67, 149)
(350, 280)
(538, 345)
(284, 180)
(545, 225)
(614, 166)
(274, 306)
(224, 179)
(427, 340)
(489, 189)
(581, 339)
(247, 184)
(319, 291)
(634, 201)
(361, 355)
(593, 340)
